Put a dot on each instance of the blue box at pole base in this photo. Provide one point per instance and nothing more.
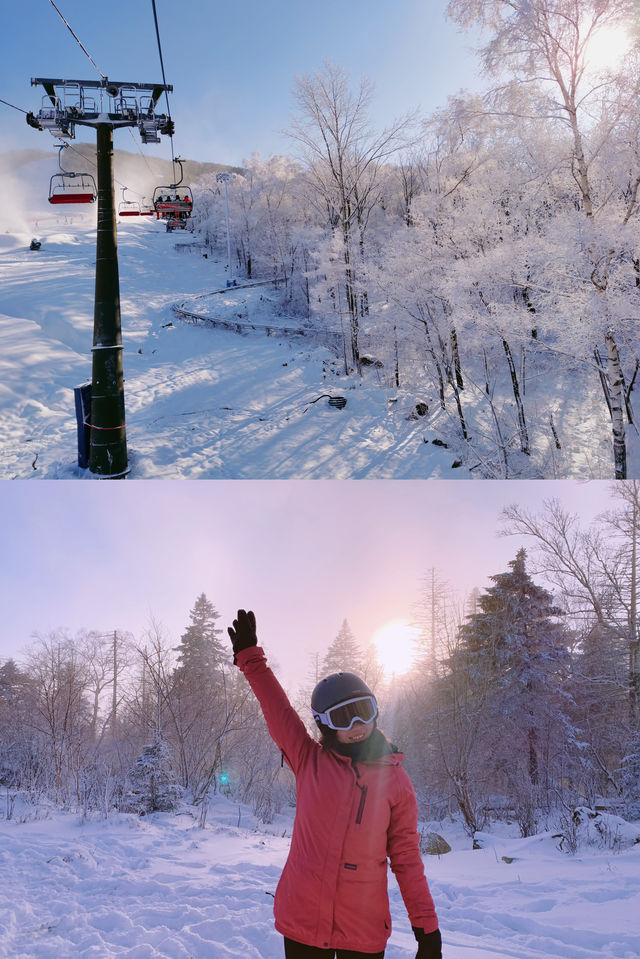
(82, 395)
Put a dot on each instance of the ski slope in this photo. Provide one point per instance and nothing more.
(200, 403)
(162, 888)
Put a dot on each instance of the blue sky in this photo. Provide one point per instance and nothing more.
(233, 66)
(304, 554)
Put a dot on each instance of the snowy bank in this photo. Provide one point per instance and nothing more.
(160, 887)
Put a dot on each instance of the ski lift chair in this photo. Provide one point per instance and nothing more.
(67, 187)
(128, 207)
(72, 188)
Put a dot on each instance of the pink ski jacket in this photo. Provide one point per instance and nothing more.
(351, 817)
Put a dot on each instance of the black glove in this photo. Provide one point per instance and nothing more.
(243, 632)
(429, 944)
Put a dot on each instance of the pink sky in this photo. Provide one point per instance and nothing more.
(304, 554)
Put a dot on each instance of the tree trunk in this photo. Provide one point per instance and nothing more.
(522, 425)
(501, 443)
(463, 425)
(431, 350)
(457, 365)
(533, 758)
(114, 698)
(352, 300)
(461, 792)
(396, 359)
(602, 373)
(615, 380)
(634, 676)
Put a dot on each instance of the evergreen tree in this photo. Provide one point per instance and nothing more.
(514, 637)
(199, 702)
(201, 652)
(344, 654)
(13, 686)
(15, 704)
(601, 707)
(631, 779)
(152, 784)
(514, 653)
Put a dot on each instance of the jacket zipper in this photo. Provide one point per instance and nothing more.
(363, 799)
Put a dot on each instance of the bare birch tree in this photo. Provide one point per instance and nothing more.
(344, 158)
(61, 717)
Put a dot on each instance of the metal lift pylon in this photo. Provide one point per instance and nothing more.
(105, 105)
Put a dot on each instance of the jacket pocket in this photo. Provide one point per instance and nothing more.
(361, 907)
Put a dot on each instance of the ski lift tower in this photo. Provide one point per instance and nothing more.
(225, 177)
(106, 105)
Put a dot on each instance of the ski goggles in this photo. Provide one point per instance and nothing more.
(364, 709)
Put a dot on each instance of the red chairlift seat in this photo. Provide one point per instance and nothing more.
(128, 208)
(72, 188)
(71, 198)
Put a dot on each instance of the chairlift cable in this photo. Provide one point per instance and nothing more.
(115, 179)
(78, 41)
(140, 152)
(164, 80)
(14, 106)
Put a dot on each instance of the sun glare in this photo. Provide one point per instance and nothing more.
(607, 48)
(394, 642)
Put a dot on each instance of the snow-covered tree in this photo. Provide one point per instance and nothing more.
(267, 215)
(437, 617)
(200, 652)
(343, 164)
(106, 658)
(198, 700)
(16, 739)
(514, 653)
(542, 54)
(61, 718)
(152, 784)
(595, 570)
(630, 778)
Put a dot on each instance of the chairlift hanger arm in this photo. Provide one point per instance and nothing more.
(179, 161)
(60, 148)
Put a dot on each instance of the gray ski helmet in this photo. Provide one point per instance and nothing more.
(337, 688)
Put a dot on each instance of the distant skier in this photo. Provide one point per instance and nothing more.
(355, 809)
(35, 244)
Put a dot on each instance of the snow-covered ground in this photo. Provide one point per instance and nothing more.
(162, 888)
(200, 402)
(205, 403)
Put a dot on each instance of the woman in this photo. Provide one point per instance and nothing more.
(355, 808)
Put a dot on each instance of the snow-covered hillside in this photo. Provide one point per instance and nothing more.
(204, 403)
(200, 403)
(163, 888)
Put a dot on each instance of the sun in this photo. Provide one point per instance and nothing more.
(607, 48)
(394, 642)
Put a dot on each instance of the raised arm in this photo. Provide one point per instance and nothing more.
(285, 726)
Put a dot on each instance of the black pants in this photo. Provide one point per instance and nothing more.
(297, 950)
